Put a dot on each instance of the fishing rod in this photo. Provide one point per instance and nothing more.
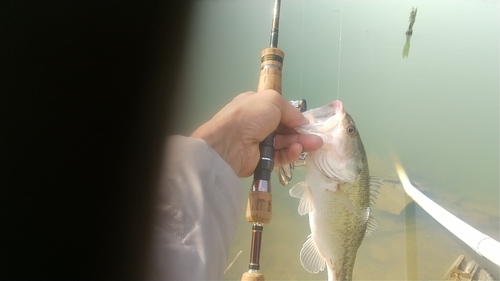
(259, 204)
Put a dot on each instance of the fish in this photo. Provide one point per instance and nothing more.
(338, 193)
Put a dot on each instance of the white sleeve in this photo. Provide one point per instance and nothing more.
(199, 205)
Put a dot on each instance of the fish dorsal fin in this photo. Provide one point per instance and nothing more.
(371, 227)
(303, 192)
(285, 173)
(375, 184)
(371, 224)
(310, 258)
(344, 200)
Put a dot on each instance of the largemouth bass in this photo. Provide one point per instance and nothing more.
(338, 193)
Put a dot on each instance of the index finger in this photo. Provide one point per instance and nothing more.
(290, 116)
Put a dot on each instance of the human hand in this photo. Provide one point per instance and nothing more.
(237, 129)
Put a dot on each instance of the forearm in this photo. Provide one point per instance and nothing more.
(198, 212)
(221, 135)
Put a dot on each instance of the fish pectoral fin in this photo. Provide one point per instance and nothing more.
(371, 227)
(303, 192)
(310, 258)
(344, 200)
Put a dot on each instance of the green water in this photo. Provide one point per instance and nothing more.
(437, 109)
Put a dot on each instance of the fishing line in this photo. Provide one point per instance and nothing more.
(302, 54)
(340, 51)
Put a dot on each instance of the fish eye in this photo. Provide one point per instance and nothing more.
(351, 130)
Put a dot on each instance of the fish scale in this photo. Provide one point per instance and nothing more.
(343, 228)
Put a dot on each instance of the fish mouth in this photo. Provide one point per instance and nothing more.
(324, 113)
(331, 113)
(323, 120)
(338, 106)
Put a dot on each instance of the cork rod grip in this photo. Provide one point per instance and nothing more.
(259, 205)
(270, 69)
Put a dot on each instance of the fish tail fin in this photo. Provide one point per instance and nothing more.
(303, 192)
